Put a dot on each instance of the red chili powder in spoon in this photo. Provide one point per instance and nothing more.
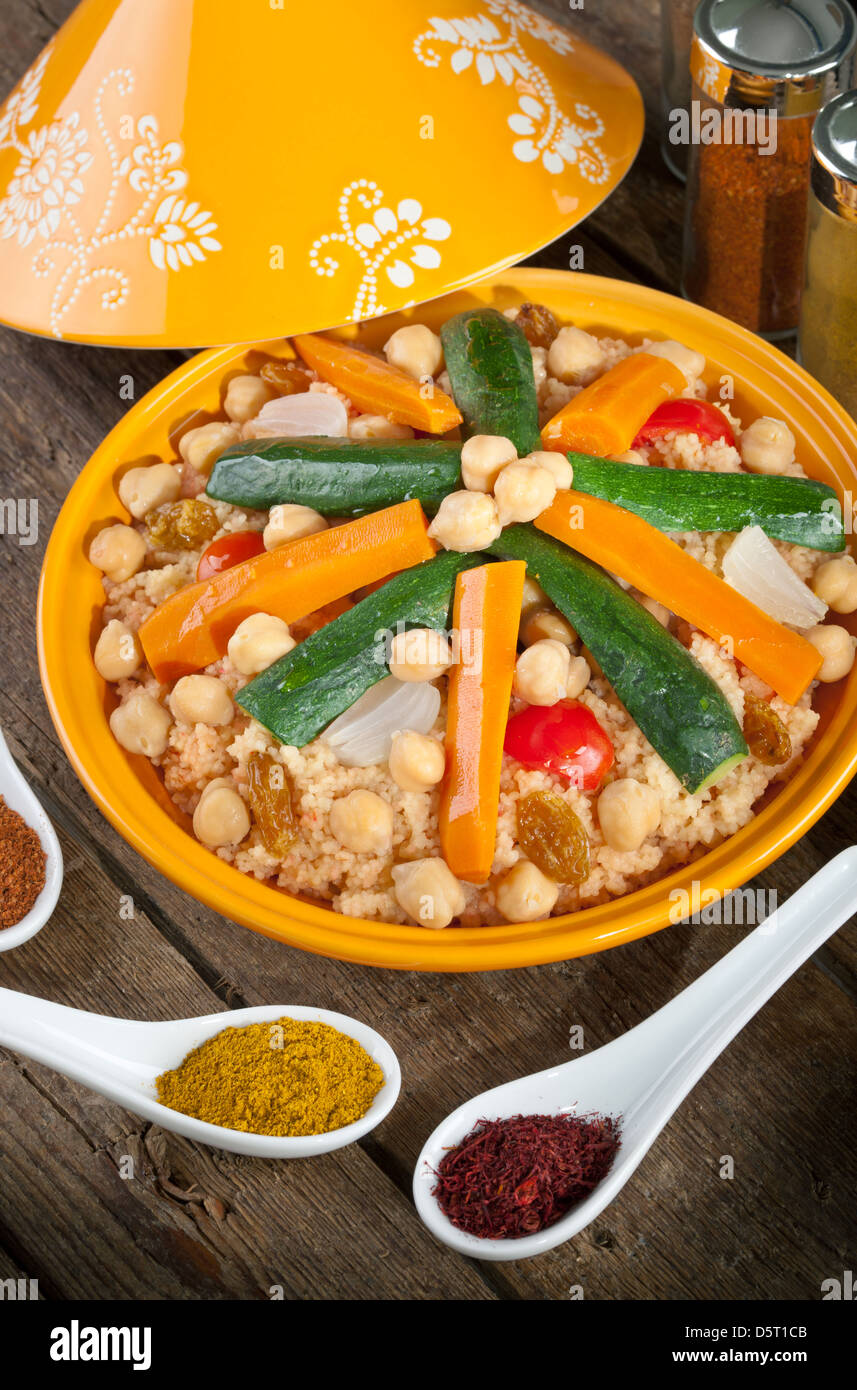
(510, 1178)
(22, 866)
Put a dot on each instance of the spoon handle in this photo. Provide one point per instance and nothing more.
(678, 1043)
(82, 1045)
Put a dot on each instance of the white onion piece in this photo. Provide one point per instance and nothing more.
(310, 412)
(755, 567)
(363, 735)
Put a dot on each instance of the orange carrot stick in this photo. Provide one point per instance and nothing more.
(486, 615)
(374, 385)
(192, 628)
(645, 557)
(605, 417)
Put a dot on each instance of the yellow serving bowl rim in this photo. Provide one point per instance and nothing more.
(70, 596)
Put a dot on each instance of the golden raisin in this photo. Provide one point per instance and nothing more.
(271, 803)
(286, 378)
(553, 838)
(537, 324)
(181, 525)
(766, 734)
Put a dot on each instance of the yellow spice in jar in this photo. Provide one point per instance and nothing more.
(285, 1078)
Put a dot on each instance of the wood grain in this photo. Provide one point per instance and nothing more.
(192, 1223)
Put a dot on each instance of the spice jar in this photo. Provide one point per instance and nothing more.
(676, 37)
(761, 70)
(828, 320)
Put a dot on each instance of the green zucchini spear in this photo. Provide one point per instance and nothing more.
(338, 477)
(490, 368)
(799, 510)
(683, 713)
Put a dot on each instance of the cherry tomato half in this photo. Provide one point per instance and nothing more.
(227, 551)
(565, 738)
(686, 417)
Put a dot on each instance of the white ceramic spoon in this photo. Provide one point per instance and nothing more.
(121, 1059)
(20, 798)
(645, 1074)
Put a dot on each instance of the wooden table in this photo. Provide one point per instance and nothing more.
(193, 1223)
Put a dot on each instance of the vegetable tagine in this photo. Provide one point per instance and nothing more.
(498, 623)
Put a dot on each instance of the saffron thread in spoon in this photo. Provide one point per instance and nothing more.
(513, 1177)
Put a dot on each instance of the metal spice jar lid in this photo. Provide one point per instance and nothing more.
(834, 156)
(789, 56)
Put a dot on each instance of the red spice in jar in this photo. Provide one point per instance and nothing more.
(22, 866)
(746, 226)
(513, 1177)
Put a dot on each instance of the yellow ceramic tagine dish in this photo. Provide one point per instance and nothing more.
(179, 172)
(131, 793)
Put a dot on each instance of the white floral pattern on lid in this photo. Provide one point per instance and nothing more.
(183, 234)
(22, 103)
(47, 180)
(547, 134)
(45, 201)
(400, 242)
(538, 26)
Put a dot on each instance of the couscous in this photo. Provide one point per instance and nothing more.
(456, 584)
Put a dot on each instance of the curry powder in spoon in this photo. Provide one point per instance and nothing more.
(284, 1078)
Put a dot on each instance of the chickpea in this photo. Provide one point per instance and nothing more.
(118, 551)
(522, 492)
(594, 666)
(417, 762)
(837, 646)
(579, 676)
(420, 654)
(767, 446)
(201, 699)
(540, 366)
(201, 447)
(482, 457)
(362, 822)
(221, 817)
(689, 362)
(575, 356)
(415, 349)
(555, 462)
(429, 892)
(258, 642)
(466, 521)
(288, 522)
(141, 725)
(541, 623)
(245, 396)
(628, 812)
(143, 489)
(525, 894)
(657, 610)
(117, 651)
(541, 673)
(835, 583)
(533, 596)
(377, 427)
(631, 456)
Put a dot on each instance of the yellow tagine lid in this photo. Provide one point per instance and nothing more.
(185, 172)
